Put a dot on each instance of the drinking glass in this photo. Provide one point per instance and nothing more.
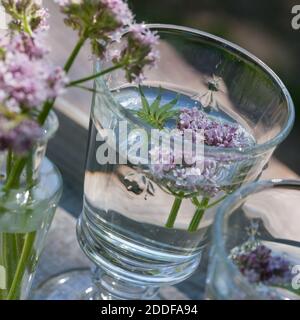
(142, 230)
(265, 212)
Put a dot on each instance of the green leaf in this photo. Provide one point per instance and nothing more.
(154, 114)
(145, 103)
(155, 105)
(168, 106)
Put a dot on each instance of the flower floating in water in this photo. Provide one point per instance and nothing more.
(216, 133)
(260, 265)
(202, 173)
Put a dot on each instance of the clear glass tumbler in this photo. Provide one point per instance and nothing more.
(141, 230)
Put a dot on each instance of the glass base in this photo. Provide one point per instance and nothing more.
(80, 284)
(74, 284)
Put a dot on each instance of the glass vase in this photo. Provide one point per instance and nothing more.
(262, 213)
(26, 212)
(143, 230)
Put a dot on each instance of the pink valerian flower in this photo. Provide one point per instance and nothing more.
(182, 169)
(30, 10)
(106, 21)
(64, 3)
(32, 46)
(100, 21)
(140, 51)
(27, 79)
(18, 137)
(206, 174)
(188, 178)
(119, 10)
(43, 15)
(216, 133)
(261, 265)
(195, 179)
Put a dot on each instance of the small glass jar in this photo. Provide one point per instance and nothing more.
(265, 213)
(26, 213)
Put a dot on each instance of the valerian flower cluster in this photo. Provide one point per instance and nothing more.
(216, 133)
(261, 265)
(27, 78)
(182, 168)
(105, 21)
(29, 83)
(26, 15)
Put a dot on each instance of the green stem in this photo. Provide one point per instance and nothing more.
(96, 75)
(75, 52)
(49, 104)
(21, 268)
(287, 287)
(198, 214)
(217, 202)
(27, 27)
(19, 242)
(11, 257)
(2, 263)
(87, 89)
(15, 173)
(9, 159)
(29, 171)
(174, 212)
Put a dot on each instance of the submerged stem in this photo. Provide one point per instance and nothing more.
(198, 214)
(174, 211)
(21, 268)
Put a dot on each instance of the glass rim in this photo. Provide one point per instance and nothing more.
(256, 148)
(229, 204)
